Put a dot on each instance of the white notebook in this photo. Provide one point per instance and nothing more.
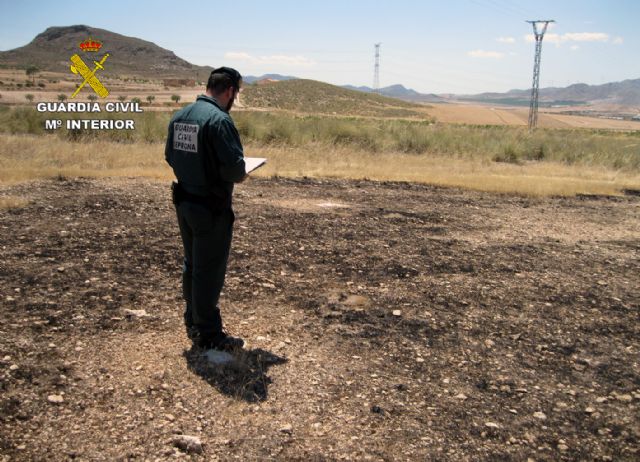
(252, 163)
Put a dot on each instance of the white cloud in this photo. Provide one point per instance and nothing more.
(586, 37)
(574, 47)
(485, 54)
(618, 41)
(238, 56)
(506, 40)
(271, 60)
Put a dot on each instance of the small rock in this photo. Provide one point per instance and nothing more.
(540, 415)
(288, 429)
(188, 444)
(60, 269)
(624, 398)
(13, 367)
(56, 399)
(589, 410)
(136, 313)
(563, 447)
(491, 425)
(601, 399)
(397, 313)
(461, 396)
(489, 343)
(170, 417)
(377, 410)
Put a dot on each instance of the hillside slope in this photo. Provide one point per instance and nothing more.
(310, 96)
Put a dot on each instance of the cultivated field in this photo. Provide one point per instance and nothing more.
(478, 114)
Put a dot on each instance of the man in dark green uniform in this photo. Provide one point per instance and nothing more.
(205, 152)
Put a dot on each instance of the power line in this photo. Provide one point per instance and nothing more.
(539, 35)
(507, 9)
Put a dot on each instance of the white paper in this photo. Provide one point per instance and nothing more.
(218, 357)
(252, 163)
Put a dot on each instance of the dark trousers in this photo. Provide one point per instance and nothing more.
(206, 237)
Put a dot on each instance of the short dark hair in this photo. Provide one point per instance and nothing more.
(222, 78)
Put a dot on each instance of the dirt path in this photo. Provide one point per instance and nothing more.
(384, 321)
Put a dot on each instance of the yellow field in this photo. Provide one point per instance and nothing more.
(27, 157)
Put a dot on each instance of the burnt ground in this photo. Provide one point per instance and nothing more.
(384, 321)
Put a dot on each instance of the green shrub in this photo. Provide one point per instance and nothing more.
(508, 155)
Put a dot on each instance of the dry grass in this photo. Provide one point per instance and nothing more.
(533, 178)
(25, 157)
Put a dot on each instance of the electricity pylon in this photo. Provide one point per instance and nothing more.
(376, 70)
(539, 35)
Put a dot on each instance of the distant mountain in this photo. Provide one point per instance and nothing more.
(400, 92)
(253, 79)
(134, 57)
(128, 56)
(625, 93)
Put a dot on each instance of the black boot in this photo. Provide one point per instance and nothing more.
(219, 341)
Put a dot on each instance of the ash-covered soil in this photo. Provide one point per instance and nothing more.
(384, 321)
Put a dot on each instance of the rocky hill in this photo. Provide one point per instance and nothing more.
(128, 56)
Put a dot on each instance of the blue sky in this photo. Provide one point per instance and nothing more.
(454, 46)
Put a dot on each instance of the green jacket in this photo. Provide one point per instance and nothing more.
(204, 149)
